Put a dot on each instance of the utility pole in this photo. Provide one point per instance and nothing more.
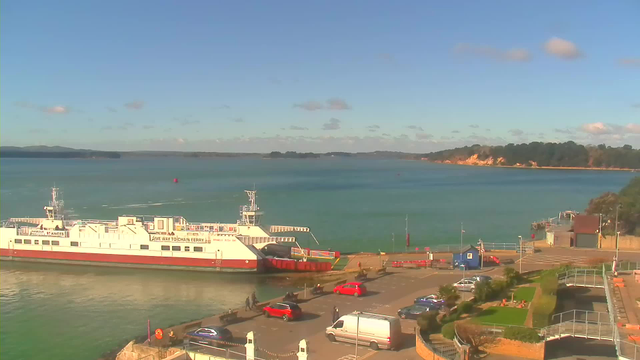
(357, 333)
(616, 231)
(393, 241)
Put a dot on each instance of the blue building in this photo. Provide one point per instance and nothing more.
(470, 258)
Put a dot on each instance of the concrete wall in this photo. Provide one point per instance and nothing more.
(516, 348)
(626, 242)
(199, 356)
(423, 350)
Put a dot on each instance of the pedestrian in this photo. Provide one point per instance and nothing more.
(247, 304)
(335, 315)
(254, 299)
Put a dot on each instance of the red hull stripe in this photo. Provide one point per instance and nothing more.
(131, 259)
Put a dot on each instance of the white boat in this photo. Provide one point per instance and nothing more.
(150, 241)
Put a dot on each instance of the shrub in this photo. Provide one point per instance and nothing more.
(465, 307)
(455, 316)
(542, 310)
(512, 276)
(549, 284)
(523, 334)
(449, 294)
(499, 287)
(449, 330)
(483, 291)
(428, 322)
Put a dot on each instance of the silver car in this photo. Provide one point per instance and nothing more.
(465, 284)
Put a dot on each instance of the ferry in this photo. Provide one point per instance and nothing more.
(167, 242)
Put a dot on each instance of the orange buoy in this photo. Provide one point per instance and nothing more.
(175, 180)
(159, 334)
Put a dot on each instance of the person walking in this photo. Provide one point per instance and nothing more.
(254, 299)
(335, 315)
(247, 304)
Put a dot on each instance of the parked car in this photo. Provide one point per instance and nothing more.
(491, 260)
(352, 288)
(375, 330)
(465, 284)
(286, 310)
(481, 278)
(209, 335)
(429, 300)
(413, 311)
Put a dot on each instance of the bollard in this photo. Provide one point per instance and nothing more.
(250, 346)
(303, 350)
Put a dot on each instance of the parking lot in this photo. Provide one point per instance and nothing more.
(386, 295)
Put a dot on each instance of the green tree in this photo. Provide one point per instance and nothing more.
(629, 213)
(449, 294)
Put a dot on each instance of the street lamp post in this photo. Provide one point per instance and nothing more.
(616, 231)
(357, 333)
(393, 240)
(520, 238)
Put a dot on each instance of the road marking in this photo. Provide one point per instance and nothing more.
(426, 276)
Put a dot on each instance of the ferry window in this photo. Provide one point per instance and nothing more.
(129, 221)
(160, 224)
(45, 242)
(35, 242)
(74, 243)
(186, 248)
(175, 248)
(144, 247)
(55, 242)
(165, 247)
(18, 241)
(197, 248)
(27, 241)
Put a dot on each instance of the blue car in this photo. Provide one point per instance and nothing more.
(210, 335)
(413, 311)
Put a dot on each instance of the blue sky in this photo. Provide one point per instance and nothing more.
(333, 75)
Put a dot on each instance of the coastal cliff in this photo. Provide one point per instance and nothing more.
(568, 155)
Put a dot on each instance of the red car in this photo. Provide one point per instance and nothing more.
(353, 288)
(286, 310)
(491, 260)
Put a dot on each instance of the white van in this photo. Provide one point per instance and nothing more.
(375, 330)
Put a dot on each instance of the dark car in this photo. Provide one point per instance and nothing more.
(286, 310)
(429, 300)
(210, 335)
(479, 278)
(412, 312)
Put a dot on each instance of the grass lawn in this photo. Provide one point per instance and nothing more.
(525, 293)
(503, 315)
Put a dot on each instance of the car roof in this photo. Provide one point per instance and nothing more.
(215, 328)
(290, 303)
(353, 283)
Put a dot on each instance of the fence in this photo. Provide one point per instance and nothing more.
(445, 351)
(581, 323)
(585, 277)
(455, 248)
(625, 349)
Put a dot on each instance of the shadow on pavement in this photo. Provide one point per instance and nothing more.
(572, 347)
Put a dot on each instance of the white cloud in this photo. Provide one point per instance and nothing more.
(300, 128)
(561, 48)
(516, 132)
(515, 54)
(333, 124)
(474, 126)
(455, 131)
(423, 136)
(597, 128)
(147, 127)
(564, 131)
(134, 105)
(337, 104)
(386, 57)
(237, 119)
(111, 109)
(415, 127)
(633, 62)
(633, 128)
(57, 110)
(310, 105)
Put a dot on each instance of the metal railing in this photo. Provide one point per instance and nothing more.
(454, 248)
(445, 351)
(227, 353)
(625, 349)
(585, 277)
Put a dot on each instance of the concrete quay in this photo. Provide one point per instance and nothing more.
(387, 293)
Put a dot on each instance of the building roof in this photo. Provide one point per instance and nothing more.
(586, 224)
(469, 247)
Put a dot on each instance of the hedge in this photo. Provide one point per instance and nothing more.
(549, 284)
(449, 330)
(542, 310)
(523, 334)
(465, 307)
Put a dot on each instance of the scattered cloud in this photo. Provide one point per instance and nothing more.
(516, 132)
(563, 49)
(111, 109)
(636, 105)
(597, 128)
(223, 106)
(300, 128)
(455, 132)
(386, 57)
(633, 62)
(134, 105)
(147, 127)
(58, 109)
(564, 131)
(474, 126)
(633, 128)
(385, 134)
(487, 129)
(373, 127)
(275, 81)
(38, 131)
(423, 136)
(331, 104)
(189, 122)
(415, 128)
(106, 128)
(333, 124)
(337, 104)
(237, 119)
(515, 54)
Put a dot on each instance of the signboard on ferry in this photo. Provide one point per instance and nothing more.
(173, 238)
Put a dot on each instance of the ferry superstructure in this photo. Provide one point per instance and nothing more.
(149, 241)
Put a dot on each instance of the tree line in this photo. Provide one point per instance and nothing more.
(627, 202)
(567, 154)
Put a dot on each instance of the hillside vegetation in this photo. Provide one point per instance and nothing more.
(538, 154)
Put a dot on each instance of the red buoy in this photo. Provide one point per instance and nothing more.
(175, 180)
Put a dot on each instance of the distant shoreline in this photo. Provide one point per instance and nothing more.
(535, 167)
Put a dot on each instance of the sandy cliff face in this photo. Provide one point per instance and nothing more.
(473, 160)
